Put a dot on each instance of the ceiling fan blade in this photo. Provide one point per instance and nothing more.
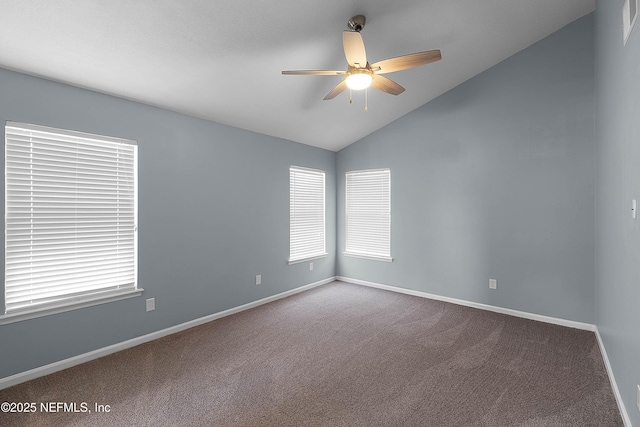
(340, 87)
(354, 49)
(405, 62)
(313, 72)
(386, 85)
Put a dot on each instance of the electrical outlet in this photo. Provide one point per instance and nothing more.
(151, 304)
(493, 284)
(638, 397)
(310, 266)
(259, 279)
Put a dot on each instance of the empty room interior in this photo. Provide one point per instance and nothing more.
(208, 222)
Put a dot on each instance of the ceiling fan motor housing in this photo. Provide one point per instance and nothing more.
(357, 23)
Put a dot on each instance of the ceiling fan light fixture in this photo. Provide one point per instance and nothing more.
(358, 81)
(360, 74)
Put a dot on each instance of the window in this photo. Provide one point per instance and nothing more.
(70, 220)
(306, 213)
(368, 214)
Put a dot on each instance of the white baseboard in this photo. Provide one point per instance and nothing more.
(86, 357)
(612, 379)
(517, 313)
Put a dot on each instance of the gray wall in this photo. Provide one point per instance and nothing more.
(617, 183)
(494, 179)
(213, 213)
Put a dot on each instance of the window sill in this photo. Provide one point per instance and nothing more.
(68, 306)
(367, 256)
(311, 258)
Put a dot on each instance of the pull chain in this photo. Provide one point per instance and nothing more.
(366, 99)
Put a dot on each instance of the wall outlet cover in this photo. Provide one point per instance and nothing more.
(493, 284)
(151, 304)
(259, 279)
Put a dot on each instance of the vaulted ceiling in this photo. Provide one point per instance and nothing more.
(222, 60)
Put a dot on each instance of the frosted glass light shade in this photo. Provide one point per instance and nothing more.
(358, 81)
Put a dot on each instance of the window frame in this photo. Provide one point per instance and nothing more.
(384, 176)
(83, 295)
(300, 256)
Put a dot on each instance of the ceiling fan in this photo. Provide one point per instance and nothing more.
(359, 73)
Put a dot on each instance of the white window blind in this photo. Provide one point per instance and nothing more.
(70, 219)
(368, 214)
(306, 213)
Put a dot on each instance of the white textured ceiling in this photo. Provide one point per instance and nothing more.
(222, 60)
